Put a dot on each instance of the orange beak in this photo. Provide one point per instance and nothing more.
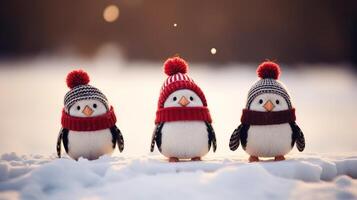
(87, 111)
(183, 101)
(269, 106)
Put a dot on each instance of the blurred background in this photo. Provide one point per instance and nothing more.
(123, 44)
(243, 31)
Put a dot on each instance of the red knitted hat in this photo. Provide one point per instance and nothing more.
(176, 69)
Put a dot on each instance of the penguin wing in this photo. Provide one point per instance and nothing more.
(117, 137)
(211, 137)
(297, 136)
(156, 137)
(240, 134)
(62, 136)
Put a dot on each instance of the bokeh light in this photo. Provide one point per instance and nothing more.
(111, 13)
(213, 51)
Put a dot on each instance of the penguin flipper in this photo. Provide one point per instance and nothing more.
(156, 137)
(65, 139)
(240, 134)
(211, 137)
(58, 146)
(117, 137)
(62, 136)
(297, 137)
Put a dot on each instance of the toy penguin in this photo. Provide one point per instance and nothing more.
(88, 122)
(183, 122)
(268, 126)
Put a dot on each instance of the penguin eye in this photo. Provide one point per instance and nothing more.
(277, 101)
(95, 105)
(260, 101)
(175, 98)
(191, 98)
(78, 107)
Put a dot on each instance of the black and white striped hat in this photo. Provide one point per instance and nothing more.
(77, 81)
(269, 73)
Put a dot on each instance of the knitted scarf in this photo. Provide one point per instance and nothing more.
(267, 118)
(104, 121)
(183, 114)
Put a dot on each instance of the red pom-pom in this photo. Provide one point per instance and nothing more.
(175, 65)
(268, 69)
(77, 77)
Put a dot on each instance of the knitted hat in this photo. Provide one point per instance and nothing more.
(269, 73)
(176, 69)
(77, 81)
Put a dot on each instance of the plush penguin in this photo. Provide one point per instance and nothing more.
(268, 127)
(88, 122)
(183, 122)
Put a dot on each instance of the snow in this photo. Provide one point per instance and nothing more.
(308, 176)
(34, 90)
(32, 100)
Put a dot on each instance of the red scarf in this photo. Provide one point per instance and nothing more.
(104, 121)
(267, 118)
(182, 114)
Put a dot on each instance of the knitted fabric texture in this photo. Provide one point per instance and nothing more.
(77, 81)
(268, 85)
(251, 117)
(269, 73)
(183, 114)
(104, 121)
(178, 84)
(84, 92)
(177, 79)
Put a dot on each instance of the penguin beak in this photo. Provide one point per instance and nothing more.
(269, 106)
(87, 111)
(183, 101)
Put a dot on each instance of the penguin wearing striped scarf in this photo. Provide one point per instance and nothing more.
(183, 122)
(268, 127)
(88, 122)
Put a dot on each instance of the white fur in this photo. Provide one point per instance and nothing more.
(269, 140)
(89, 144)
(99, 110)
(256, 106)
(170, 102)
(184, 139)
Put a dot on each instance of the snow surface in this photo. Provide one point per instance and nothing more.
(303, 176)
(32, 98)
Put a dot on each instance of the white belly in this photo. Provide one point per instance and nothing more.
(269, 140)
(89, 144)
(184, 139)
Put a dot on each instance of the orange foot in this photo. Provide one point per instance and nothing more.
(173, 159)
(279, 158)
(253, 159)
(196, 159)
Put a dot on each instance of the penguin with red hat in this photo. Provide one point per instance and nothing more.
(183, 122)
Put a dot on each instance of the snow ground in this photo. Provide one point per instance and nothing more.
(32, 99)
(303, 176)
